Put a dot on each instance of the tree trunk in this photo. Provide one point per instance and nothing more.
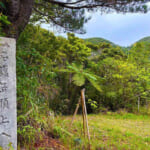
(13, 7)
(19, 12)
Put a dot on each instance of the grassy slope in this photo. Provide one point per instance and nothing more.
(108, 132)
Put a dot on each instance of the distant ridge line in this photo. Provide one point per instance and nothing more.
(97, 40)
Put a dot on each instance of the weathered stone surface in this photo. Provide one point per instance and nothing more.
(8, 115)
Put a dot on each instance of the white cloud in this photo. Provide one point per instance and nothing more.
(123, 29)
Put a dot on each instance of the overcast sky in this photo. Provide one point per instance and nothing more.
(122, 29)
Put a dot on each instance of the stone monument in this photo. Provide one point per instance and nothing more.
(8, 114)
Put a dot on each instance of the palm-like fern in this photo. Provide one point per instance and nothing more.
(80, 75)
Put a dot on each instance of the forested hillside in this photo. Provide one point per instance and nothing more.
(51, 71)
(72, 93)
(47, 63)
(146, 39)
(97, 40)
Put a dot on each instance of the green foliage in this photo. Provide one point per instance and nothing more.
(146, 39)
(64, 18)
(93, 105)
(110, 51)
(26, 132)
(97, 41)
(3, 22)
(40, 55)
(2, 5)
(51, 71)
(80, 74)
(3, 19)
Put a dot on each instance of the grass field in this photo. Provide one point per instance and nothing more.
(108, 132)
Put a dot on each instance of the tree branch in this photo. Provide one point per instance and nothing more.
(70, 5)
(100, 3)
(64, 3)
(54, 21)
(52, 18)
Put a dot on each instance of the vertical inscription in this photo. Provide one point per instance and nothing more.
(3, 120)
(4, 71)
(8, 122)
(4, 104)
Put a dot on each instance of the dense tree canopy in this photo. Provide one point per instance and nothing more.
(69, 14)
(51, 69)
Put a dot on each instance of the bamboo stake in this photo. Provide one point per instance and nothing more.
(79, 101)
(85, 110)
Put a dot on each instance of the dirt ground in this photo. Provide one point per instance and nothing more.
(49, 143)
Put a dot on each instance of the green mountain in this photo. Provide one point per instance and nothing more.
(145, 39)
(97, 40)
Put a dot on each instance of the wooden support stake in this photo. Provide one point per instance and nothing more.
(85, 112)
(79, 101)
